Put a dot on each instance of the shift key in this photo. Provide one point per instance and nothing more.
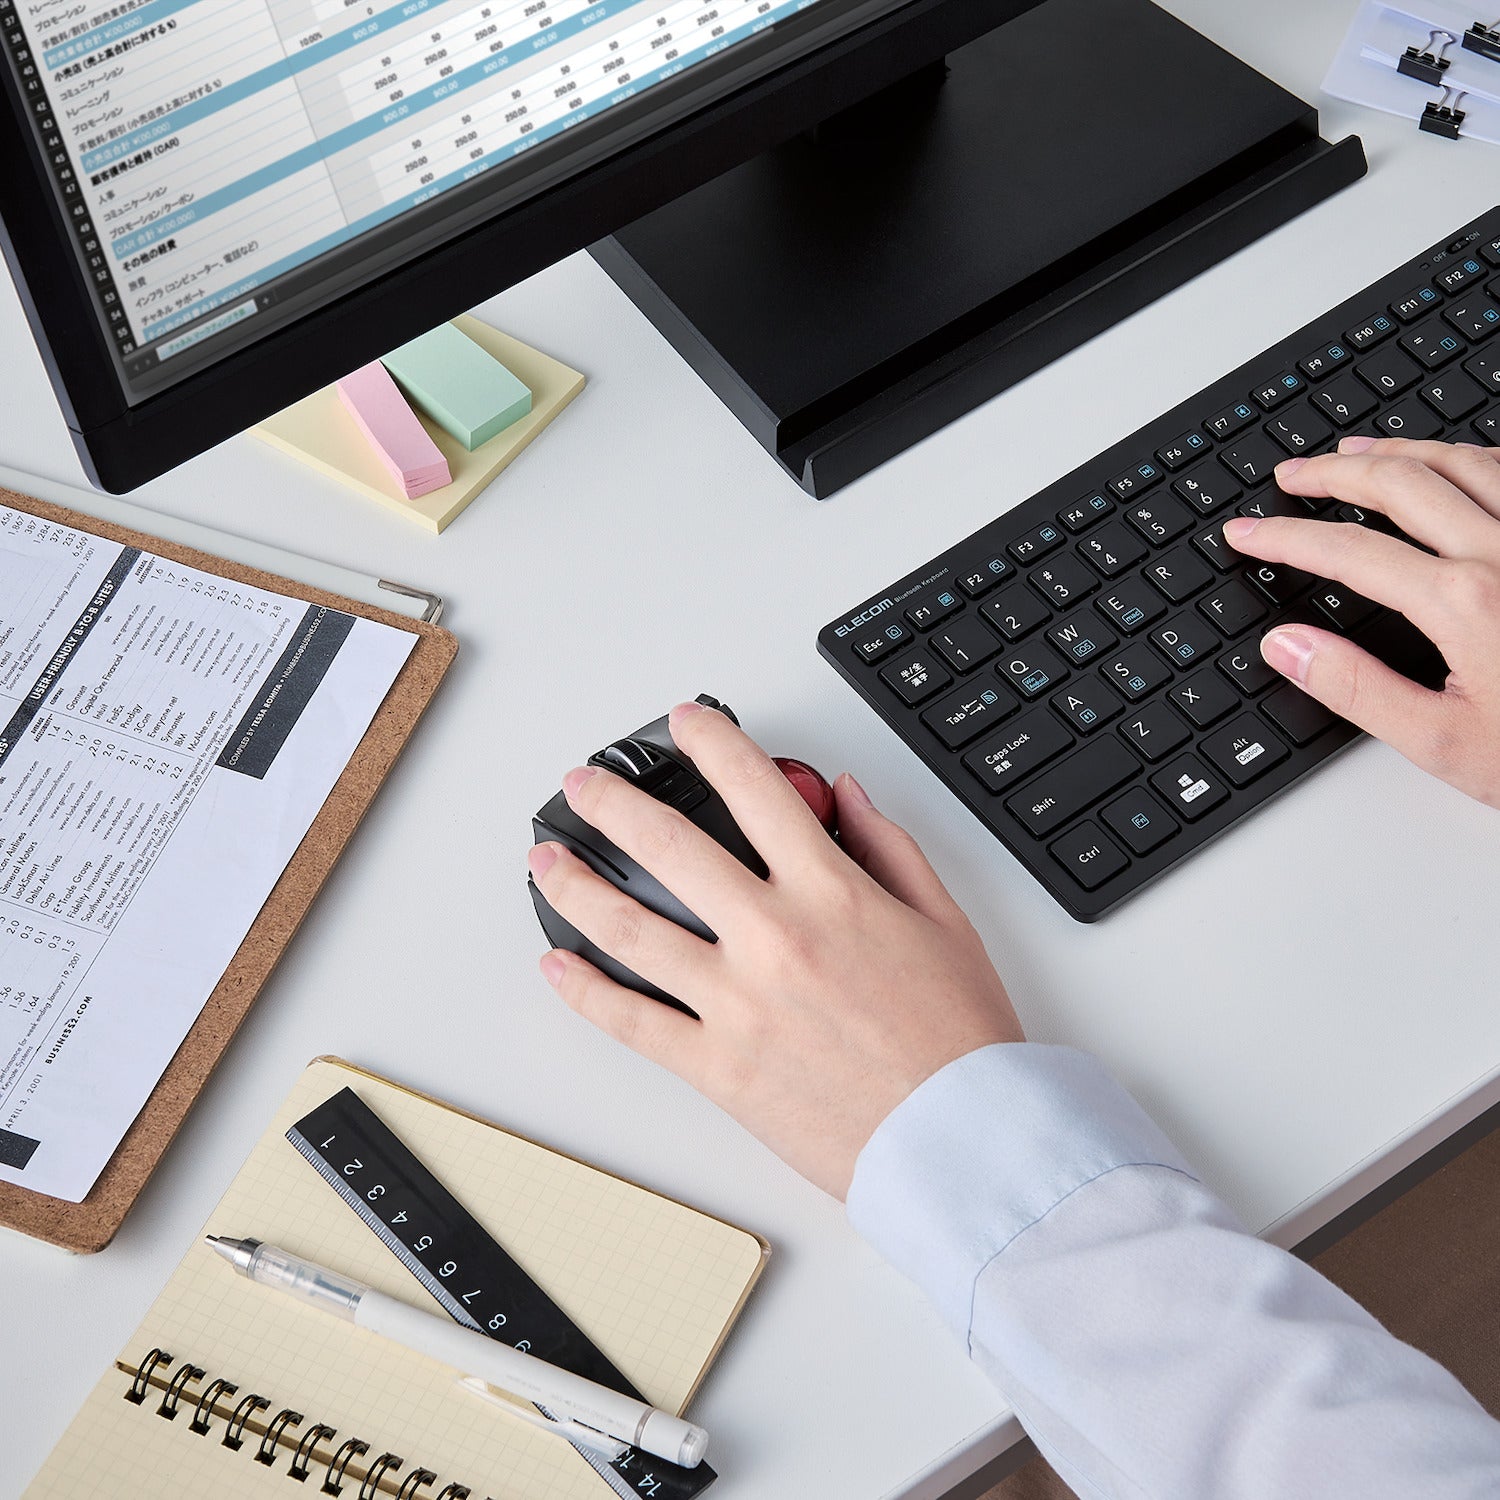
(1079, 782)
(1017, 750)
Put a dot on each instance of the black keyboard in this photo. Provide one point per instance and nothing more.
(1085, 672)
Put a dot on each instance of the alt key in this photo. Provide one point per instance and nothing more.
(1088, 856)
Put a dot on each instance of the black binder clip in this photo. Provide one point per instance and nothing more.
(1428, 64)
(1443, 116)
(1485, 40)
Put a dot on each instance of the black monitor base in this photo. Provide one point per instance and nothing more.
(850, 293)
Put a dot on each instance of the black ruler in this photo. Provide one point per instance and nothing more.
(436, 1238)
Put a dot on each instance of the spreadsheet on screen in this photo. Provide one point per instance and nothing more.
(213, 156)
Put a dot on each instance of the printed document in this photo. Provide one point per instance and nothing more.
(166, 739)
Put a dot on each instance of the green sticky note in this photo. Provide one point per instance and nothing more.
(464, 389)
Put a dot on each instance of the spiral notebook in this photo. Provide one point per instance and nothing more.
(654, 1284)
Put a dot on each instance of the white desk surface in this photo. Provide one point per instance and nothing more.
(1305, 1007)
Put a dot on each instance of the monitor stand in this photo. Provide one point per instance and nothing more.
(851, 292)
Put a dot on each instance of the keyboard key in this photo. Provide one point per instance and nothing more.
(1478, 317)
(1112, 549)
(1015, 751)
(1323, 362)
(1015, 612)
(1246, 668)
(1485, 368)
(1344, 401)
(1088, 856)
(1059, 795)
(875, 642)
(935, 607)
(1275, 392)
(1232, 608)
(1211, 545)
(1088, 510)
(1460, 275)
(1207, 488)
(1087, 704)
(1233, 419)
(1203, 699)
(1031, 670)
(1419, 300)
(1182, 451)
(1432, 344)
(1081, 637)
(1063, 582)
(1279, 582)
(1134, 481)
(1179, 575)
(965, 644)
(1159, 520)
(1154, 731)
(979, 578)
(1343, 608)
(1036, 543)
(1490, 250)
(1299, 430)
(968, 713)
(1454, 396)
(1131, 606)
(916, 677)
(1409, 419)
(1275, 502)
(1300, 718)
(1139, 820)
(1243, 750)
(1135, 672)
(1189, 787)
(1487, 429)
(1370, 332)
(1389, 372)
(1183, 640)
(1252, 458)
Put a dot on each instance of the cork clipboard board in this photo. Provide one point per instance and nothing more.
(90, 1225)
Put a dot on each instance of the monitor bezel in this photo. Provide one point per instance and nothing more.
(122, 445)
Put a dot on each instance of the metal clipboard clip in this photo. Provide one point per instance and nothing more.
(1428, 64)
(1443, 116)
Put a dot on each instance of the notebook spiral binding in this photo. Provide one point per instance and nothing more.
(275, 1434)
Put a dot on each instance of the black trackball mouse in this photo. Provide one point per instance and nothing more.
(650, 759)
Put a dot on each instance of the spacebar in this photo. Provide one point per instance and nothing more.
(1081, 780)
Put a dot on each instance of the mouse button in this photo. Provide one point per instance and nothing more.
(682, 790)
(583, 841)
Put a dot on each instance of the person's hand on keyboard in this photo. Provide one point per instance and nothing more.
(837, 985)
(1447, 498)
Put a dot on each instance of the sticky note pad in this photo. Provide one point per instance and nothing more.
(462, 388)
(400, 441)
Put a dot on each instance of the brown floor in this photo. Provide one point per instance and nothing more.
(1426, 1266)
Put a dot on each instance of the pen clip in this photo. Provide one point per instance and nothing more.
(574, 1431)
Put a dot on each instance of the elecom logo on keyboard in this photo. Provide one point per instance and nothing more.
(864, 618)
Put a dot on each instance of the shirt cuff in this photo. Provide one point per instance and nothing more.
(985, 1148)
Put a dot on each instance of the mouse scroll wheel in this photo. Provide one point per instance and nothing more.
(631, 757)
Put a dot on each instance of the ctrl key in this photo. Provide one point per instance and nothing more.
(1088, 856)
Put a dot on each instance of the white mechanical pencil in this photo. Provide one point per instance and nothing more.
(477, 1358)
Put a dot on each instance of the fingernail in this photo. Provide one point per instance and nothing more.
(1289, 466)
(576, 778)
(541, 859)
(682, 711)
(1290, 652)
(553, 968)
(1239, 527)
(1356, 444)
(856, 791)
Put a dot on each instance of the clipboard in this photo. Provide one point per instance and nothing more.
(90, 1225)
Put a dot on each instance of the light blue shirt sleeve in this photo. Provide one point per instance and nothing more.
(1150, 1346)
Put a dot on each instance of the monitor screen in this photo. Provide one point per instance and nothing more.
(226, 166)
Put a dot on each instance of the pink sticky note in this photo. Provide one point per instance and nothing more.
(375, 401)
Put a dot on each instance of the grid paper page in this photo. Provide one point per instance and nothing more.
(653, 1284)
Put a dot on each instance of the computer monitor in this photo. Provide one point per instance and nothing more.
(213, 207)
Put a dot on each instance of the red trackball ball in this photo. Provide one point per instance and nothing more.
(813, 789)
